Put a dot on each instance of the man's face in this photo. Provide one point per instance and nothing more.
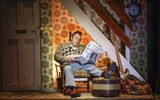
(76, 39)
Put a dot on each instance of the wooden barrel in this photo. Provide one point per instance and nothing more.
(105, 87)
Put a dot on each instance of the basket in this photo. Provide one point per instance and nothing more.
(106, 87)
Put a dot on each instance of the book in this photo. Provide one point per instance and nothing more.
(89, 55)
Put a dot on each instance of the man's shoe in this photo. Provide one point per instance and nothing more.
(75, 93)
(67, 91)
(72, 91)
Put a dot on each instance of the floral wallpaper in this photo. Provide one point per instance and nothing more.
(46, 45)
(138, 38)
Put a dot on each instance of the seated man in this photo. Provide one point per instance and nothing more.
(63, 56)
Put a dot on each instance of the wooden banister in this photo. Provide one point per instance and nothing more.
(109, 21)
(120, 12)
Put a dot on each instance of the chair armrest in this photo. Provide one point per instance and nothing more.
(59, 74)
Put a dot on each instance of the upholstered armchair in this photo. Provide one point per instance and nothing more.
(79, 76)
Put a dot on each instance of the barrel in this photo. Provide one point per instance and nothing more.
(106, 87)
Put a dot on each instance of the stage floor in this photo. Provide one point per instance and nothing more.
(58, 95)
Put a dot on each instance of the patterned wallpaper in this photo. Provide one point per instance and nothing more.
(62, 24)
(138, 38)
(46, 45)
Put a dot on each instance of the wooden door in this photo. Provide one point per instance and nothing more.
(20, 38)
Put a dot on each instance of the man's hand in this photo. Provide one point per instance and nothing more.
(68, 58)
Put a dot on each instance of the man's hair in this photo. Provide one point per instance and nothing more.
(77, 32)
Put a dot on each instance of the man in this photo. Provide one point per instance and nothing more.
(63, 55)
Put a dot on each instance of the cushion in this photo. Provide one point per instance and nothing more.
(81, 74)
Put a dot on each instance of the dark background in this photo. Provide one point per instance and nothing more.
(153, 26)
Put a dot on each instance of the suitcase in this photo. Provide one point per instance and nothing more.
(106, 87)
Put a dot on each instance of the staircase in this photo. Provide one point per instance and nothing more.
(97, 35)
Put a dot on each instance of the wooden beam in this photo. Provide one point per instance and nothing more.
(109, 21)
(120, 12)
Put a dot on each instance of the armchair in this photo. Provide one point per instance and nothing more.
(79, 76)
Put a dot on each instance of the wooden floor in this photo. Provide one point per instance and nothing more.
(58, 95)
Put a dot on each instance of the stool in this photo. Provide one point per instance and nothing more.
(106, 87)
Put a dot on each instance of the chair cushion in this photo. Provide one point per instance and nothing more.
(81, 74)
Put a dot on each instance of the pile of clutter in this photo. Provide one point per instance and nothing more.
(129, 83)
(133, 86)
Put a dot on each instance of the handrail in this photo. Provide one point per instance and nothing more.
(109, 21)
(120, 12)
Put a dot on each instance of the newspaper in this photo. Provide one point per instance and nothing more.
(90, 54)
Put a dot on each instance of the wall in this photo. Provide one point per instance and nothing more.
(46, 45)
(138, 38)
